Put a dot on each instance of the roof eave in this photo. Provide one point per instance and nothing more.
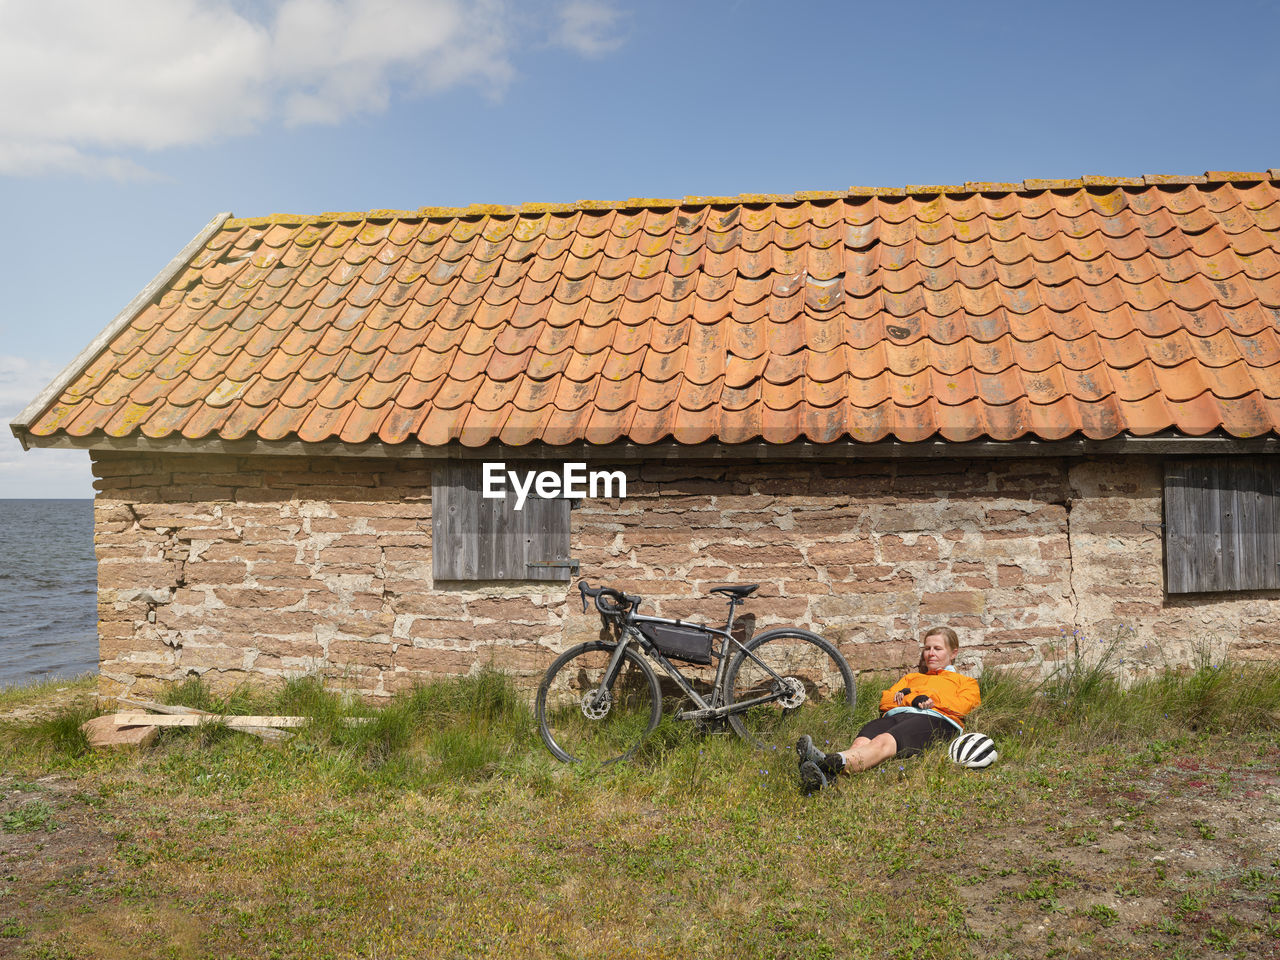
(1166, 443)
(20, 425)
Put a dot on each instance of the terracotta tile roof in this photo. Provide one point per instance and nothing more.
(1048, 309)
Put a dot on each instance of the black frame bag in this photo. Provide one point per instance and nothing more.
(688, 643)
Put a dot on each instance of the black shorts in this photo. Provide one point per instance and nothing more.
(911, 731)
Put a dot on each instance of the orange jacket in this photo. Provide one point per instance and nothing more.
(953, 694)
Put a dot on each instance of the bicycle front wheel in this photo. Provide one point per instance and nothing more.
(811, 686)
(582, 723)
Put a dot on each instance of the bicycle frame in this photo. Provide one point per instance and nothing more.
(717, 707)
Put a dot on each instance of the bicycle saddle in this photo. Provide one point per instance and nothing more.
(740, 593)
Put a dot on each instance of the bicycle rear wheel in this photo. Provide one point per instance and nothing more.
(816, 694)
(579, 725)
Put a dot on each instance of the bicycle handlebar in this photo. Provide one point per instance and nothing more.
(609, 601)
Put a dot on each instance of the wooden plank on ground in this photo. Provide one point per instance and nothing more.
(195, 720)
(128, 719)
(269, 734)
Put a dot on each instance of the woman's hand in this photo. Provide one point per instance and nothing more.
(899, 698)
(926, 704)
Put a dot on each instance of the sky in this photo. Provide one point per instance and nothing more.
(125, 127)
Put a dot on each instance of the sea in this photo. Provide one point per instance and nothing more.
(48, 591)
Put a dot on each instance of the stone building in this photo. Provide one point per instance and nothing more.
(1031, 410)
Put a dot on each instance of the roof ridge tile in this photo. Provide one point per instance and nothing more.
(1095, 181)
(482, 210)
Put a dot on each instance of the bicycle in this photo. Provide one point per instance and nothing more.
(599, 700)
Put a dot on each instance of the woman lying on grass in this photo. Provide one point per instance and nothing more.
(920, 708)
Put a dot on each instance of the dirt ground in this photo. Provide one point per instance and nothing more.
(1186, 862)
(52, 839)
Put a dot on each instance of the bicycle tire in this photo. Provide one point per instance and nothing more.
(567, 725)
(825, 712)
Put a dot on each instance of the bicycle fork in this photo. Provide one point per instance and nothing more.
(611, 672)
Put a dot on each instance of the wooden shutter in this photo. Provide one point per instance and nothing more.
(1222, 524)
(477, 539)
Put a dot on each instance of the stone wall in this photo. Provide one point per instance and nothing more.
(259, 568)
(1117, 579)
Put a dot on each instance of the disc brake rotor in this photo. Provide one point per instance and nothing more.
(793, 693)
(596, 707)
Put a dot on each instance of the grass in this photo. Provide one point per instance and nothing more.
(1083, 698)
(438, 732)
(15, 695)
(442, 827)
(32, 815)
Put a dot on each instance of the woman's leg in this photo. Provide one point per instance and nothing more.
(876, 742)
(871, 731)
(873, 728)
(865, 754)
(828, 765)
(885, 737)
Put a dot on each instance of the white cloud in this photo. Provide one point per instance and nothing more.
(34, 158)
(35, 473)
(87, 80)
(336, 58)
(20, 381)
(589, 27)
(84, 76)
(38, 474)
